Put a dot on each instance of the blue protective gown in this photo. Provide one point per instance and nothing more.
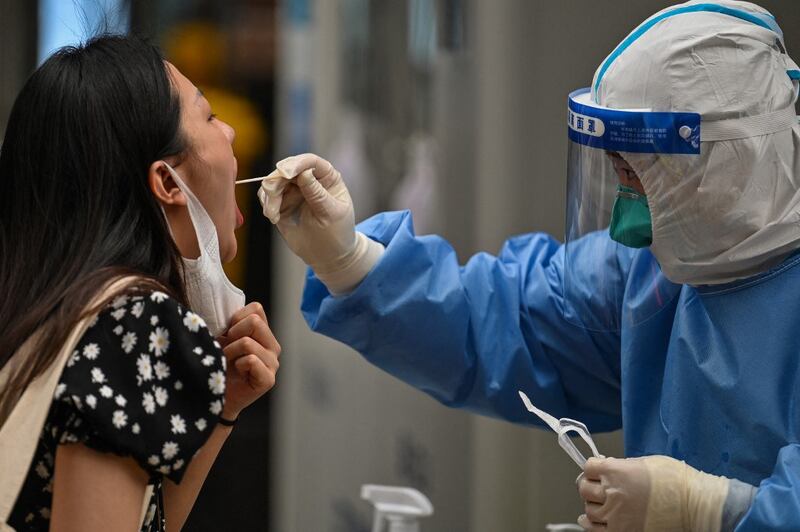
(712, 379)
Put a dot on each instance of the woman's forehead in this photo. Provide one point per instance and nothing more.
(185, 87)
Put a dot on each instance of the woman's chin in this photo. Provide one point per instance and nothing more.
(229, 253)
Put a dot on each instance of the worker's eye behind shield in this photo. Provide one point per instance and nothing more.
(600, 271)
(625, 173)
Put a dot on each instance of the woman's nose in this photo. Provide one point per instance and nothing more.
(230, 133)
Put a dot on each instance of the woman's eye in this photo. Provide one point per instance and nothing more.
(211, 117)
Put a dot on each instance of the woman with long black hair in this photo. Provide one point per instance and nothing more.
(115, 170)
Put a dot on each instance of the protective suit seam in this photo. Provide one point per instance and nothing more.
(791, 263)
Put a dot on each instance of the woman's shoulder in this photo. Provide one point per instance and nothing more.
(146, 325)
(147, 306)
(147, 379)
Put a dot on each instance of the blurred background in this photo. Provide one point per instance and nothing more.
(451, 108)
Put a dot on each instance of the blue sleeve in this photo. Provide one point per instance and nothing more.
(472, 336)
(777, 502)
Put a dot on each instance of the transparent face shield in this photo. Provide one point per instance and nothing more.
(608, 212)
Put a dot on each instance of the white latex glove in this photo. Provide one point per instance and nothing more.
(308, 201)
(658, 493)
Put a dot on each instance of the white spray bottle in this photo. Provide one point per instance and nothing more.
(400, 507)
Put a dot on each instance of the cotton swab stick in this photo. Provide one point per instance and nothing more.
(251, 180)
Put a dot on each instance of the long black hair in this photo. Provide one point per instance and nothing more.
(75, 206)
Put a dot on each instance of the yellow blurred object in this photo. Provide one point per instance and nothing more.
(198, 49)
(243, 116)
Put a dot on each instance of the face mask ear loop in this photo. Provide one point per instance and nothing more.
(172, 234)
(201, 221)
(166, 220)
(164, 212)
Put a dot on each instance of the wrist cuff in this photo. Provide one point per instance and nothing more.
(737, 504)
(366, 254)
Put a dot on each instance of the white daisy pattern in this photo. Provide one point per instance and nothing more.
(162, 370)
(119, 419)
(98, 376)
(144, 367)
(60, 389)
(158, 297)
(169, 450)
(91, 400)
(161, 395)
(148, 403)
(119, 301)
(138, 309)
(77, 402)
(91, 351)
(178, 424)
(159, 341)
(143, 382)
(151, 513)
(41, 470)
(129, 341)
(216, 383)
(193, 321)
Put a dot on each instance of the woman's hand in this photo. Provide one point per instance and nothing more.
(252, 353)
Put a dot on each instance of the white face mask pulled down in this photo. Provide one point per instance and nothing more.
(211, 294)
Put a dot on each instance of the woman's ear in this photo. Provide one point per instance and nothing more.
(163, 186)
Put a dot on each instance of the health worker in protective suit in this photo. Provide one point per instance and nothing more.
(672, 310)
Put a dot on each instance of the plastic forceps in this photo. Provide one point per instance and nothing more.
(563, 427)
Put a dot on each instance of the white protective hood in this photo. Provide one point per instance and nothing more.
(734, 210)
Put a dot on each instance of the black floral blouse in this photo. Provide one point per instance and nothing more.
(147, 380)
